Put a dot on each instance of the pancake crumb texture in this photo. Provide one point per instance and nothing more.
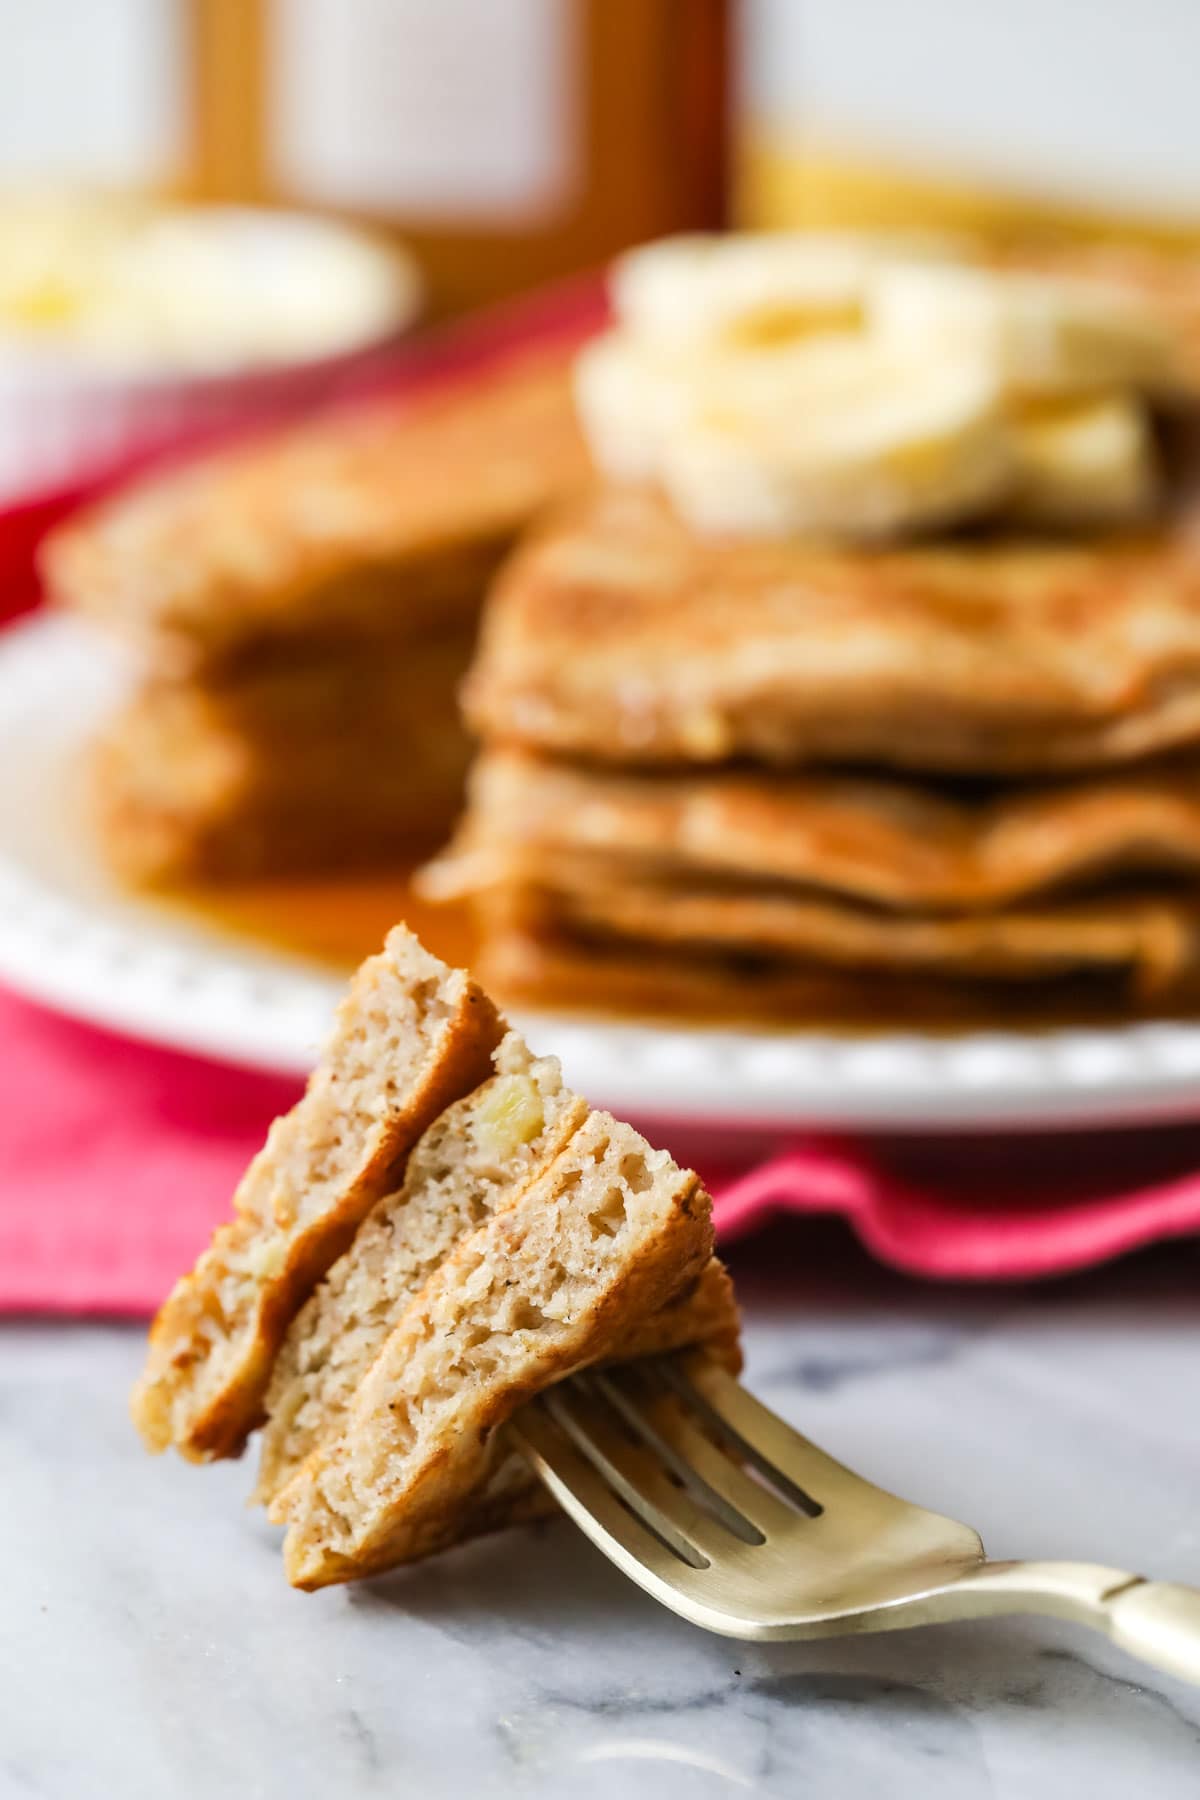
(438, 1230)
(469, 1160)
(607, 1235)
(410, 1038)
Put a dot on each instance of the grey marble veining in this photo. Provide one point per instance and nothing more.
(149, 1647)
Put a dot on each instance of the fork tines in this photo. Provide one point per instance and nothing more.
(672, 1450)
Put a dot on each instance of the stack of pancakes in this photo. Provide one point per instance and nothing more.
(895, 703)
(302, 611)
(776, 776)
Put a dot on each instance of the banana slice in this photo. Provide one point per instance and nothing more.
(753, 288)
(633, 397)
(851, 438)
(801, 383)
(1047, 334)
(629, 400)
(1088, 461)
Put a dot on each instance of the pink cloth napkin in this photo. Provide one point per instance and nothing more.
(116, 1161)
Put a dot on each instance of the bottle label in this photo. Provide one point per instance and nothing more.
(432, 109)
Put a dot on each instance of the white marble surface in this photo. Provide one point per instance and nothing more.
(149, 1647)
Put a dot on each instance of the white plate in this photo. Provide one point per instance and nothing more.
(70, 937)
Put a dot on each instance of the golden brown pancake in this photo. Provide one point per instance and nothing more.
(472, 1162)
(437, 1230)
(366, 524)
(600, 1240)
(532, 957)
(305, 608)
(410, 1037)
(360, 762)
(896, 844)
(501, 1489)
(1143, 938)
(620, 636)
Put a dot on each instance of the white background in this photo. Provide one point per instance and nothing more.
(91, 89)
(1097, 99)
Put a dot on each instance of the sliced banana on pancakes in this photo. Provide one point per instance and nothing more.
(1083, 461)
(1046, 334)
(753, 289)
(848, 438)
(629, 399)
(869, 386)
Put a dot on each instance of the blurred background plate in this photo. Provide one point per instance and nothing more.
(72, 938)
(176, 323)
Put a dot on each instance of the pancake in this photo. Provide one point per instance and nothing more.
(617, 635)
(364, 525)
(470, 1160)
(1147, 940)
(471, 1163)
(410, 1037)
(503, 1490)
(535, 960)
(360, 761)
(704, 1316)
(894, 844)
(604, 1237)
(436, 1231)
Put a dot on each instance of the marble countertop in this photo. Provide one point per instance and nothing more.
(149, 1646)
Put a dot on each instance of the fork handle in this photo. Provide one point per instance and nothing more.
(1159, 1622)
(1156, 1621)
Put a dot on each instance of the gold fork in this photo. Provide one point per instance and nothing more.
(720, 1510)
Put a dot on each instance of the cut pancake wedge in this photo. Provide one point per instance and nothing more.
(470, 1160)
(604, 1238)
(411, 1037)
(705, 1316)
(438, 1230)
